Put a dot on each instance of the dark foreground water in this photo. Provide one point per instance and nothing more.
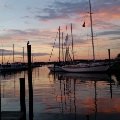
(64, 96)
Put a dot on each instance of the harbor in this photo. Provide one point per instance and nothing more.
(59, 90)
(64, 96)
(60, 60)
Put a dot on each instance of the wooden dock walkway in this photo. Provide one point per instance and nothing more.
(12, 115)
(17, 115)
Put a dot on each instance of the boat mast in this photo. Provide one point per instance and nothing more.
(23, 54)
(92, 31)
(59, 43)
(72, 42)
(13, 53)
(62, 48)
(2, 53)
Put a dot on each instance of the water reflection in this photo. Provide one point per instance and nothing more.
(82, 95)
(65, 96)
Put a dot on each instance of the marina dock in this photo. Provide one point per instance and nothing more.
(12, 115)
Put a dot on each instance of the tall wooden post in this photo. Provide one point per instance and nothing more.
(109, 56)
(0, 97)
(22, 96)
(30, 83)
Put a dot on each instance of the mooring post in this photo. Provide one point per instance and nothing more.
(30, 83)
(0, 98)
(109, 56)
(22, 97)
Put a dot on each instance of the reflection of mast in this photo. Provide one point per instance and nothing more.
(95, 100)
(61, 96)
(65, 94)
(54, 90)
(14, 84)
(3, 89)
(70, 96)
(74, 99)
(110, 86)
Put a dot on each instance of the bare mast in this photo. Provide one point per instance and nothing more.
(59, 43)
(92, 31)
(62, 48)
(72, 42)
(13, 53)
(2, 53)
(23, 54)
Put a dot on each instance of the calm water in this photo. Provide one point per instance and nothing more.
(64, 96)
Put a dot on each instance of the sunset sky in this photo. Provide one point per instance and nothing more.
(37, 21)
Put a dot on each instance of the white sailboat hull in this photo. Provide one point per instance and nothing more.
(100, 68)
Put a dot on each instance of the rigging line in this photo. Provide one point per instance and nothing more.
(76, 21)
(53, 46)
(54, 90)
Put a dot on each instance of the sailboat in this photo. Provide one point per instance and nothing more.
(57, 67)
(92, 67)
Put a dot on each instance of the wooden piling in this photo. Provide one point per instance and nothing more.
(22, 96)
(30, 83)
(0, 97)
(109, 56)
(17, 115)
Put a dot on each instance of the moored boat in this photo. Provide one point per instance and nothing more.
(13, 67)
(56, 68)
(94, 67)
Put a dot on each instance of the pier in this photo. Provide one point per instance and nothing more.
(12, 115)
(17, 115)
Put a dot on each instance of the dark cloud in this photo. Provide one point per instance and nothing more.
(60, 10)
(65, 9)
(15, 31)
(115, 32)
(10, 52)
(105, 5)
(35, 34)
(40, 54)
(5, 52)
